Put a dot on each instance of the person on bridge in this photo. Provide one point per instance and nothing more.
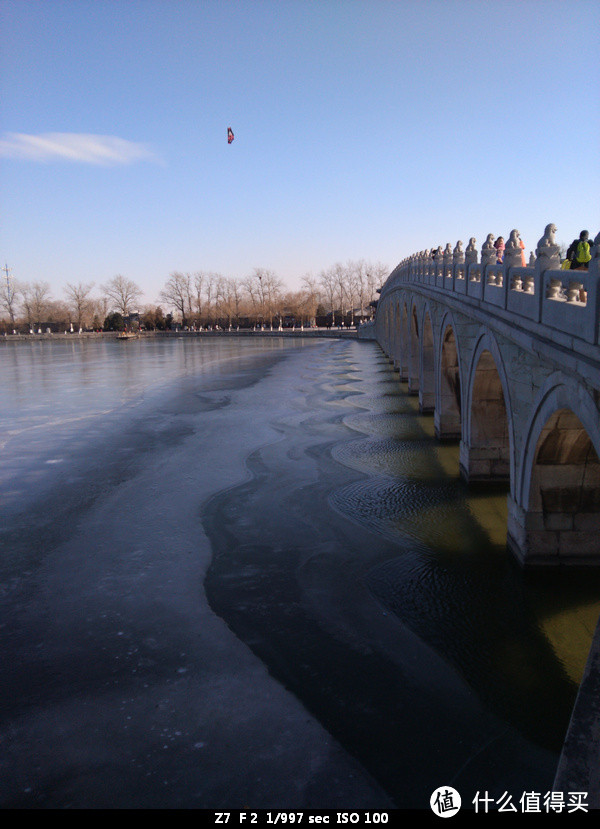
(523, 259)
(579, 252)
(499, 245)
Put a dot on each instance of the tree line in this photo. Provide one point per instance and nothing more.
(200, 300)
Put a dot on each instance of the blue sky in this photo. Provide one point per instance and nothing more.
(362, 130)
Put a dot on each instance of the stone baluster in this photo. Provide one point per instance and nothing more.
(574, 291)
(554, 289)
(529, 284)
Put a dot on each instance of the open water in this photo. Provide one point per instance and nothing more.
(345, 553)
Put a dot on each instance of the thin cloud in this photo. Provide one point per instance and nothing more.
(104, 150)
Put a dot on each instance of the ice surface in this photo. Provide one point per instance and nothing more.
(120, 686)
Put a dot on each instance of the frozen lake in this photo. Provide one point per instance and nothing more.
(244, 573)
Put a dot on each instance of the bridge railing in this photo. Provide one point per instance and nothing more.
(563, 300)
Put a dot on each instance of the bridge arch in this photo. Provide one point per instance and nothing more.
(448, 405)
(396, 334)
(488, 428)
(413, 350)
(555, 514)
(390, 327)
(404, 336)
(426, 363)
(388, 313)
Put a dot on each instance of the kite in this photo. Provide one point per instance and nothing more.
(229, 135)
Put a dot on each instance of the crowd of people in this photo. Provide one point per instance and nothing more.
(578, 255)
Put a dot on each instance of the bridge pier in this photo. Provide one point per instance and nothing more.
(447, 421)
(447, 425)
(484, 463)
(426, 402)
(413, 384)
(543, 538)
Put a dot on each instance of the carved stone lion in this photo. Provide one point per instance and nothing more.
(512, 251)
(488, 251)
(549, 237)
(548, 252)
(513, 241)
(458, 255)
(471, 252)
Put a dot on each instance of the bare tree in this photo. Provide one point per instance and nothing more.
(311, 286)
(253, 289)
(359, 276)
(375, 277)
(99, 310)
(210, 283)
(177, 293)
(352, 286)
(272, 286)
(266, 286)
(35, 301)
(199, 279)
(123, 294)
(310, 297)
(236, 297)
(78, 300)
(340, 275)
(57, 311)
(293, 303)
(9, 298)
(328, 283)
(227, 299)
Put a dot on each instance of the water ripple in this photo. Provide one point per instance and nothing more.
(430, 513)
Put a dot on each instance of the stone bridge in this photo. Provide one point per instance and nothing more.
(507, 358)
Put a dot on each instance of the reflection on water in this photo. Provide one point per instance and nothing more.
(48, 380)
(64, 402)
(457, 584)
(355, 491)
(56, 393)
(432, 550)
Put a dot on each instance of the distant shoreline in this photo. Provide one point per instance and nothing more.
(336, 333)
